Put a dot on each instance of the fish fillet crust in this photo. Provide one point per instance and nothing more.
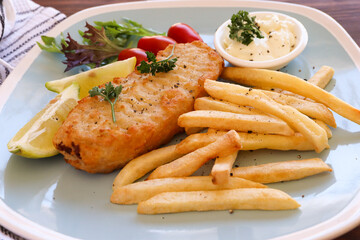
(146, 112)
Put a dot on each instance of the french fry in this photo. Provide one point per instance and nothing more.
(193, 130)
(322, 77)
(188, 164)
(325, 127)
(241, 198)
(196, 141)
(208, 103)
(221, 169)
(236, 121)
(143, 164)
(282, 171)
(255, 98)
(311, 109)
(141, 191)
(263, 78)
(249, 141)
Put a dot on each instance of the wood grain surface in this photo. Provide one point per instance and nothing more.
(345, 12)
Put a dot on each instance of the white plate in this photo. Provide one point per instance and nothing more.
(48, 199)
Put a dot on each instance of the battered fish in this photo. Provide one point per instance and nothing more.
(146, 112)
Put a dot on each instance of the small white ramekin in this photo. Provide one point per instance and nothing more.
(274, 64)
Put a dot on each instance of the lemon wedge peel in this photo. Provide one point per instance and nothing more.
(94, 77)
(34, 140)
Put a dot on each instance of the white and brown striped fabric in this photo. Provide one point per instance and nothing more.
(22, 22)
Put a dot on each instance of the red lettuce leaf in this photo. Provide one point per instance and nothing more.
(100, 47)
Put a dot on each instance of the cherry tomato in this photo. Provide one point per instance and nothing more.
(155, 43)
(183, 33)
(140, 54)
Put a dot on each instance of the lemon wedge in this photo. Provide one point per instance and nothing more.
(34, 140)
(94, 77)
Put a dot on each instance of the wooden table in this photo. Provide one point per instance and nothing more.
(346, 12)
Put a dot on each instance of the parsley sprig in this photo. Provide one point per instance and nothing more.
(108, 93)
(153, 66)
(243, 28)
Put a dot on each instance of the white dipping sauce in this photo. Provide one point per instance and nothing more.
(279, 39)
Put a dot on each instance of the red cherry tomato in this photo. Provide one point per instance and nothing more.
(183, 33)
(155, 43)
(140, 54)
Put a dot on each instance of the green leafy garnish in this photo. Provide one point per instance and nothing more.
(128, 28)
(108, 93)
(243, 28)
(50, 44)
(100, 45)
(153, 66)
(99, 48)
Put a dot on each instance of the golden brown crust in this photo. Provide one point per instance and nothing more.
(146, 112)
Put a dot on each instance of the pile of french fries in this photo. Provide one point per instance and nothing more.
(277, 111)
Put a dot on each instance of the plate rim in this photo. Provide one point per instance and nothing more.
(348, 217)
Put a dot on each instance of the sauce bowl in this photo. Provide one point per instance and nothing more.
(273, 64)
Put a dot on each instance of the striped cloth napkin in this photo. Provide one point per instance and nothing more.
(22, 22)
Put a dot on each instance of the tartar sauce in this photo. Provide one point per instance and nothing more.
(279, 39)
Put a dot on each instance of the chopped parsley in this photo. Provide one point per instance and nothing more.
(243, 28)
(153, 66)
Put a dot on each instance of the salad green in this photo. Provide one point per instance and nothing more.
(101, 43)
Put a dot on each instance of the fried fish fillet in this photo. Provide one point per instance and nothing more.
(146, 112)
